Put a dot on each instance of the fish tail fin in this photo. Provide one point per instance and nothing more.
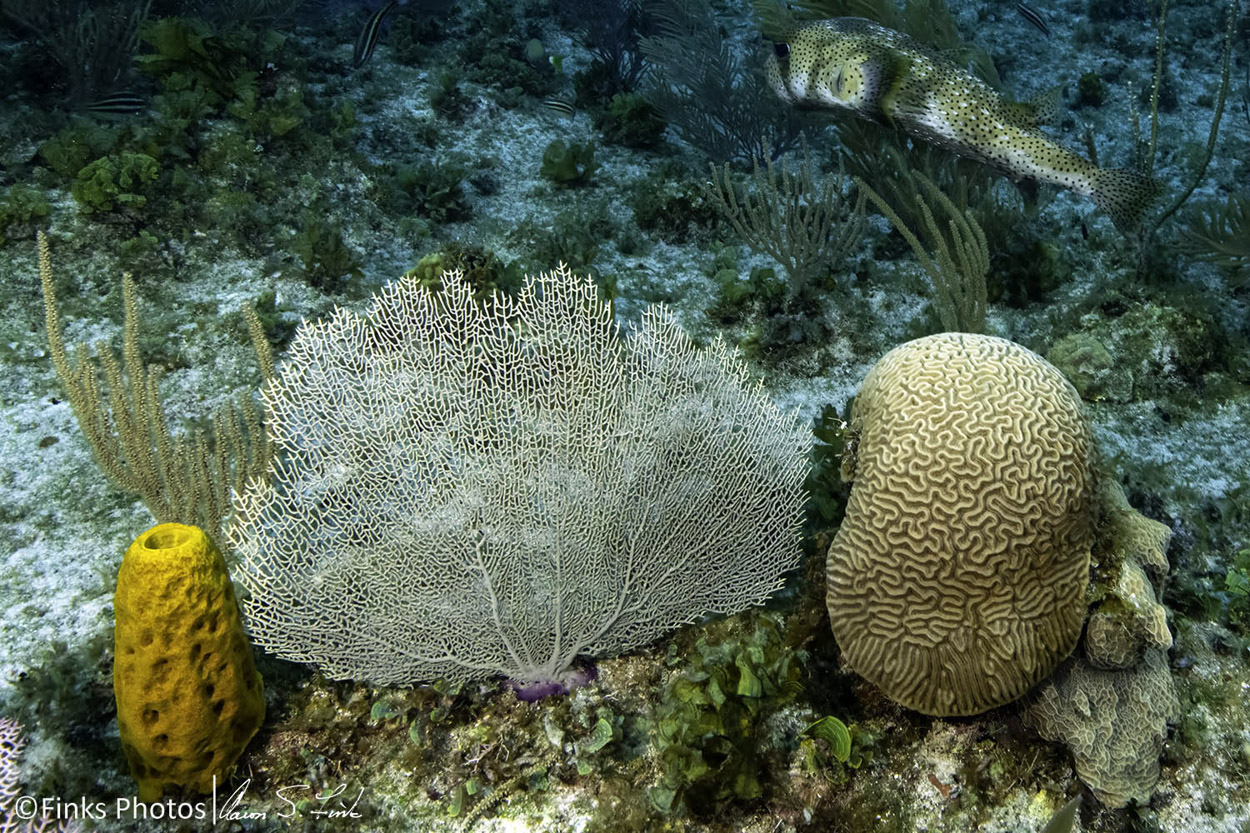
(1123, 194)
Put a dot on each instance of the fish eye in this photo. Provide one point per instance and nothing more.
(781, 50)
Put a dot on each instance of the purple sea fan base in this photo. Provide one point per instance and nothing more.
(531, 691)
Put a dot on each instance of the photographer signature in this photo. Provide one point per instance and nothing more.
(329, 804)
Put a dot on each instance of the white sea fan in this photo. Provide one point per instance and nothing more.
(464, 490)
(22, 812)
(11, 745)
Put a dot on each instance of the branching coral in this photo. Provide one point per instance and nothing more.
(184, 479)
(1221, 234)
(801, 225)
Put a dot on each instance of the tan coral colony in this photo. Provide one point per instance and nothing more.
(957, 579)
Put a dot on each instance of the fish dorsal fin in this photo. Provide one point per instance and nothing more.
(1042, 108)
(893, 68)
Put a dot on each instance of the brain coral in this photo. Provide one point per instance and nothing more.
(1114, 722)
(957, 579)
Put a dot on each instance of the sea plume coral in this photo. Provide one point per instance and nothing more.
(17, 813)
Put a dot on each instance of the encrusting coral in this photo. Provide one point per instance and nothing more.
(189, 697)
(1114, 722)
(1111, 703)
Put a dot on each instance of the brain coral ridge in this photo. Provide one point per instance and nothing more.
(957, 579)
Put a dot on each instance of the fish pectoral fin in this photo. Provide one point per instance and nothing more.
(1018, 113)
(890, 74)
(1042, 108)
(903, 110)
(1045, 105)
(896, 70)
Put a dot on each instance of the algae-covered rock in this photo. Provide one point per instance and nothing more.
(1122, 627)
(1091, 369)
(1127, 620)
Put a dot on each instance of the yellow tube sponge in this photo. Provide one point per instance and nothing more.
(189, 697)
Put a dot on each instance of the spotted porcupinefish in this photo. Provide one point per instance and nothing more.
(856, 65)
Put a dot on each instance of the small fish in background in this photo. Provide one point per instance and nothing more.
(559, 105)
(536, 54)
(1034, 17)
(118, 105)
(856, 66)
(368, 40)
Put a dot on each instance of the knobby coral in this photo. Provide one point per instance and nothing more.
(474, 488)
